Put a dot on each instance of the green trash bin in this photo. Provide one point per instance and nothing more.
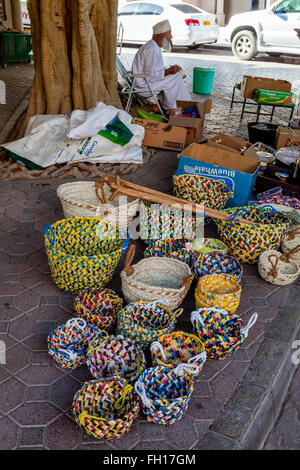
(203, 80)
(14, 47)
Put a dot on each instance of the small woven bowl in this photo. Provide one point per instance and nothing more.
(219, 291)
(172, 248)
(216, 263)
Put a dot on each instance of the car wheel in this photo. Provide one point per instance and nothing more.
(244, 45)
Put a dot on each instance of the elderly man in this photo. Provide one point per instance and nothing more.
(149, 60)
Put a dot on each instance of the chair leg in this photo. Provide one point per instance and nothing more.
(130, 96)
(155, 97)
(243, 109)
(232, 98)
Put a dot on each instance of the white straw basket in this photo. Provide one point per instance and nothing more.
(291, 245)
(273, 267)
(85, 199)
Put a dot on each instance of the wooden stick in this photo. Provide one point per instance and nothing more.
(151, 195)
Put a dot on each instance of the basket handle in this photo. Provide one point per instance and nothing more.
(293, 234)
(286, 256)
(252, 321)
(188, 281)
(121, 401)
(128, 269)
(183, 368)
(273, 272)
(46, 232)
(139, 388)
(100, 185)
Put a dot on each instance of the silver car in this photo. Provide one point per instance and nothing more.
(271, 30)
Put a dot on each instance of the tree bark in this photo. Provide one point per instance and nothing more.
(74, 48)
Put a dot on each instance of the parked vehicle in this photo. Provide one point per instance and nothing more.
(191, 26)
(271, 30)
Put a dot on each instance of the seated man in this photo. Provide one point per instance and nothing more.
(149, 60)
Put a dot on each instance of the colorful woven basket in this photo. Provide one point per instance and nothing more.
(170, 248)
(106, 408)
(179, 348)
(277, 268)
(68, 343)
(156, 278)
(221, 332)
(291, 245)
(165, 393)
(216, 263)
(115, 355)
(202, 190)
(208, 245)
(159, 222)
(219, 291)
(99, 308)
(144, 322)
(82, 253)
(247, 242)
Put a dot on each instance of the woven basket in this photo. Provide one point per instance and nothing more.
(144, 322)
(221, 332)
(170, 248)
(291, 245)
(156, 278)
(84, 199)
(247, 242)
(273, 267)
(82, 253)
(165, 393)
(202, 190)
(179, 348)
(115, 356)
(159, 222)
(68, 343)
(208, 245)
(219, 291)
(216, 263)
(106, 408)
(99, 308)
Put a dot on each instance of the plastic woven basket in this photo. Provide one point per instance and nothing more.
(144, 322)
(202, 190)
(106, 408)
(221, 332)
(178, 348)
(247, 242)
(219, 291)
(170, 248)
(115, 355)
(99, 308)
(83, 199)
(208, 245)
(216, 263)
(82, 253)
(156, 278)
(68, 343)
(165, 393)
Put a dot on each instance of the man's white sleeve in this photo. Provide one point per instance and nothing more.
(153, 65)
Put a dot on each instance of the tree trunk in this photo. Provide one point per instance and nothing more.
(74, 47)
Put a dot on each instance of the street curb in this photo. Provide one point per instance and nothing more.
(252, 411)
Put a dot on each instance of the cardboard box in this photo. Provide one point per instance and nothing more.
(162, 135)
(286, 136)
(237, 171)
(232, 144)
(250, 84)
(194, 126)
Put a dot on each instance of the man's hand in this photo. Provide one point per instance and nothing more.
(172, 70)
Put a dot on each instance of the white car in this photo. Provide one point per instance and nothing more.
(191, 26)
(271, 30)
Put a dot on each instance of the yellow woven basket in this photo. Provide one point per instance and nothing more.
(219, 291)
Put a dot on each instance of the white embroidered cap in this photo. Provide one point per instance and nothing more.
(161, 27)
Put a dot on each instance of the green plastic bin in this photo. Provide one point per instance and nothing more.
(203, 79)
(14, 47)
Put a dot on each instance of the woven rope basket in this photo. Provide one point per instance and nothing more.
(156, 278)
(277, 269)
(106, 408)
(291, 245)
(82, 253)
(144, 322)
(99, 308)
(221, 332)
(247, 242)
(208, 245)
(68, 343)
(84, 199)
(115, 355)
(165, 393)
(216, 263)
(202, 190)
(169, 248)
(219, 291)
(178, 348)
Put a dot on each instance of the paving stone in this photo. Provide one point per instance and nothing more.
(47, 314)
(27, 301)
(41, 358)
(31, 437)
(9, 432)
(289, 427)
(182, 434)
(35, 414)
(223, 387)
(36, 342)
(45, 328)
(201, 389)
(212, 441)
(202, 426)
(150, 431)
(47, 300)
(22, 328)
(12, 394)
(38, 393)
(204, 408)
(40, 374)
(130, 440)
(17, 358)
(63, 391)
(62, 434)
